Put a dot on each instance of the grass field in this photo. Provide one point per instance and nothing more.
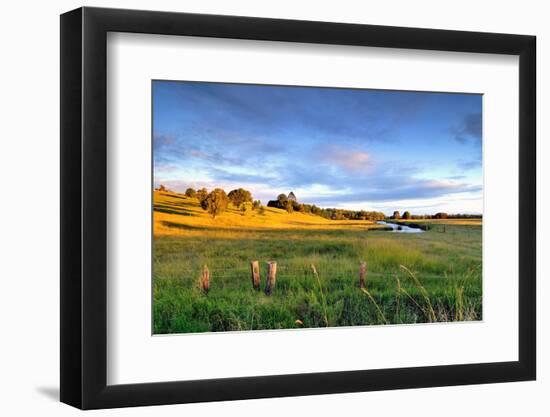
(411, 278)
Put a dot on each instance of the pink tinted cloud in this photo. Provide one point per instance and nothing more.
(348, 159)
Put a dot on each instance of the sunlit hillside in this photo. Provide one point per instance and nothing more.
(176, 213)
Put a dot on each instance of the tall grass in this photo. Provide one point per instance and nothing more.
(371, 298)
(324, 301)
(428, 308)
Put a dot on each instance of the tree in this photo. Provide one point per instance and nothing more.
(261, 210)
(407, 215)
(280, 203)
(190, 192)
(256, 204)
(243, 209)
(288, 206)
(282, 199)
(396, 215)
(202, 194)
(162, 188)
(216, 202)
(292, 196)
(441, 216)
(239, 196)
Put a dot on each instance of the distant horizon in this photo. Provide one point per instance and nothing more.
(351, 149)
(389, 213)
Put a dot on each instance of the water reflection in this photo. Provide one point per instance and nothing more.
(401, 228)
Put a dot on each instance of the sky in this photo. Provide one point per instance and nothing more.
(355, 149)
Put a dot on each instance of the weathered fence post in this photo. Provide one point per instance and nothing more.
(271, 277)
(205, 279)
(255, 270)
(362, 273)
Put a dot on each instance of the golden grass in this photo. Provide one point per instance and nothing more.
(175, 214)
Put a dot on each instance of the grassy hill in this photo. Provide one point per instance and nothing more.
(177, 214)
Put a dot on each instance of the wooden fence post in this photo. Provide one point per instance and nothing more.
(271, 277)
(205, 279)
(255, 270)
(362, 273)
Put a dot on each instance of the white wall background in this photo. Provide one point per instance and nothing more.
(29, 178)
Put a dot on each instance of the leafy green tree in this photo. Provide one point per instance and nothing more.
(396, 215)
(215, 202)
(190, 192)
(407, 215)
(239, 196)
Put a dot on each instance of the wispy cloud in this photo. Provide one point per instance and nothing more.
(473, 164)
(390, 190)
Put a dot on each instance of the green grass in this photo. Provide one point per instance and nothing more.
(411, 278)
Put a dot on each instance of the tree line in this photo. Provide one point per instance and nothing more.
(440, 215)
(290, 204)
(216, 202)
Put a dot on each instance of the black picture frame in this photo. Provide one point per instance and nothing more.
(84, 207)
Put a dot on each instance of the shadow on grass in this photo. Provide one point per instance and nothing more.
(181, 226)
(168, 209)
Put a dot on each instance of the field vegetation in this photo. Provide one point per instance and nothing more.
(410, 278)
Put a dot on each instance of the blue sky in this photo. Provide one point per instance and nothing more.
(347, 148)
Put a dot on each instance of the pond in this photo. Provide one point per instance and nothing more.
(401, 228)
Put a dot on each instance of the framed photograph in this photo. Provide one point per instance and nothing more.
(258, 208)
